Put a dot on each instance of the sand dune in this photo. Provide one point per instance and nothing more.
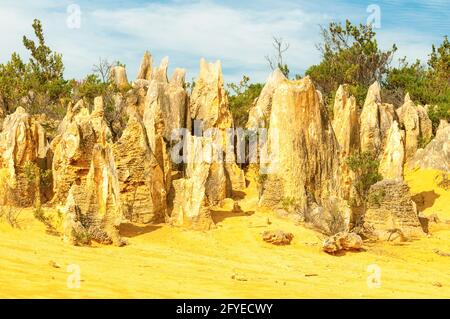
(230, 261)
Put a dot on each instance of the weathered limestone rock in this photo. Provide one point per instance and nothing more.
(170, 99)
(73, 147)
(416, 123)
(141, 178)
(346, 121)
(342, 241)
(206, 149)
(190, 203)
(346, 127)
(391, 209)
(393, 156)
(118, 74)
(155, 126)
(209, 105)
(277, 237)
(145, 69)
(370, 129)
(93, 209)
(134, 99)
(303, 148)
(209, 102)
(436, 154)
(160, 73)
(23, 154)
(259, 114)
(375, 120)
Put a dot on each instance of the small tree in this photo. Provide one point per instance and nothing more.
(277, 60)
(350, 54)
(102, 69)
(38, 85)
(365, 167)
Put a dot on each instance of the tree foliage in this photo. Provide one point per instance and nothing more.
(242, 95)
(365, 167)
(426, 84)
(37, 85)
(350, 54)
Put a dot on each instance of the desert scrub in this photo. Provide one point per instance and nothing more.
(289, 204)
(423, 142)
(260, 180)
(335, 220)
(376, 198)
(53, 222)
(444, 181)
(11, 215)
(365, 167)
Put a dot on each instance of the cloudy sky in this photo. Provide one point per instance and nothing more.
(239, 33)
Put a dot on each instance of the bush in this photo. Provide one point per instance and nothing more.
(426, 84)
(241, 97)
(11, 215)
(365, 167)
(350, 54)
(38, 85)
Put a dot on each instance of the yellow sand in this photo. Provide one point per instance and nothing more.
(229, 262)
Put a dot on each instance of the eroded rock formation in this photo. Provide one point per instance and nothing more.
(145, 69)
(376, 119)
(209, 101)
(393, 156)
(24, 159)
(93, 209)
(118, 74)
(303, 149)
(141, 178)
(436, 155)
(391, 210)
(73, 148)
(418, 126)
(190, 199)
(209, 108)
(277, 237)
(342, 241)
(259, 114)
(346, 127)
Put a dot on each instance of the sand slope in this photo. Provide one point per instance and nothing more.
(229, 262)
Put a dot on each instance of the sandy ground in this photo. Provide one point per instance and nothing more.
(230, 261)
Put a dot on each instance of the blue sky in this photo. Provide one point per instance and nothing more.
(239, 33)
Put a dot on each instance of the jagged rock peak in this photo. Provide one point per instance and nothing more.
(210, 72)
(160, 73)
(393, 157)
(145, 69)
(436, 155)
(118, 75)
(178, 77)
(261, 109)
(374, 94)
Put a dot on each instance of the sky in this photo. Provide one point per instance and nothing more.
(239, 33)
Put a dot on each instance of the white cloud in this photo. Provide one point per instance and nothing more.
(239, 35)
